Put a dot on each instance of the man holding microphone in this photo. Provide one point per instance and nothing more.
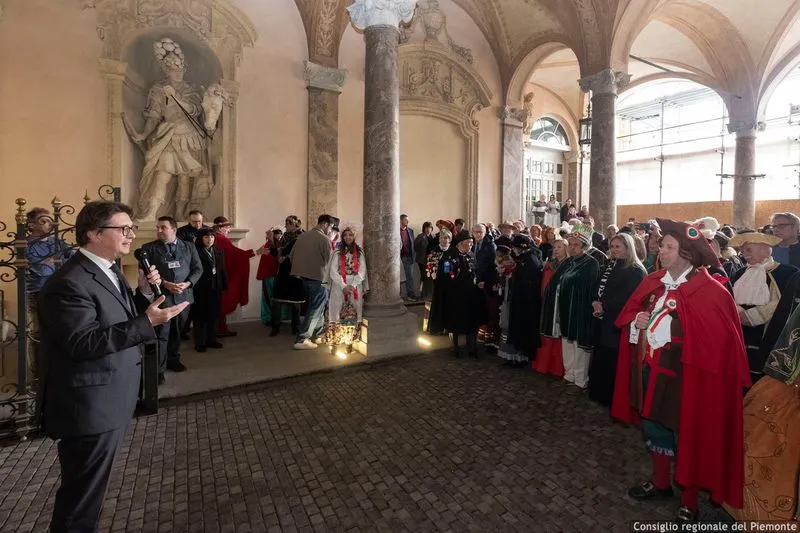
(91, 331)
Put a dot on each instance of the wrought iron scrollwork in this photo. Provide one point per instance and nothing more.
(43, 241)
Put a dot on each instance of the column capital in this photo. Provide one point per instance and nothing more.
(575, 157)
(606, 81)
(746, 128)
(512, 116)
(322, 77)
(366, 13)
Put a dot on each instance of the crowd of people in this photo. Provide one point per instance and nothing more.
(688, 329)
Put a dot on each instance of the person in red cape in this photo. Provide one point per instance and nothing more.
(237, 266)
(681, 372)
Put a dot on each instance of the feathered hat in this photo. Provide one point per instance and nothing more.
(690, 238)
(583, 233)
(708, 226)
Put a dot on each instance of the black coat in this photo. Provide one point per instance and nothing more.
(458, 305)
(288, 288)
(790, 300)
(526, 302)
(619, 287)
(209, 288)
(485, 269)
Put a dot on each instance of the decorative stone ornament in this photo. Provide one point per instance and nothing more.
(366, 13)
(605, 82)
(321, 77)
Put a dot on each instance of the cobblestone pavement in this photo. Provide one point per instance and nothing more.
(427, 443)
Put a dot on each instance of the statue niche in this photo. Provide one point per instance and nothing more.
(180, 122)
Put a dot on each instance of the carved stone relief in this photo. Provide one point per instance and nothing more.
(435, 82)
(433, 22)
(605, 82)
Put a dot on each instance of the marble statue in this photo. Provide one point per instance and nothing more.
(527, 110)
(179, 125)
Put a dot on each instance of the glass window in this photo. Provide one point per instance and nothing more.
(549, 131)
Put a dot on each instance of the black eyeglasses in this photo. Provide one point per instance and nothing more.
(127, 231)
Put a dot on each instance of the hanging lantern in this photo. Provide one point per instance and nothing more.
(585, 125)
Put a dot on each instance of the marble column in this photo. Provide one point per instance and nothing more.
(324, 85)
(513, 195)
(744, 184)
(604, 86)
(390, 328)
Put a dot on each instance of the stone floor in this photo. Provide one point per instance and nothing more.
(422, 443)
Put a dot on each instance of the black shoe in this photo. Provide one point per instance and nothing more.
(161, 379)
(201, 349)
(177, 366)
(215, 345)
(686, 515)
(647, 491)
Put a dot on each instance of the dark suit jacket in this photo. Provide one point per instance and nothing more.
(189, 233)
(89, 352)
(190, 268)
(485, 270)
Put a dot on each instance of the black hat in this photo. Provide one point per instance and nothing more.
(462, 235)
(503, 243)
(522, 241)
(335, 226)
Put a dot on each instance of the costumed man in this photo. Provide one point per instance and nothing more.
(237, 266)
(457, 305)
(757, 290)
(772, 434)
(681, 370)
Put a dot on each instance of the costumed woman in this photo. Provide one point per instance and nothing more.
(208, 291)
(772, 434)
(524, 303)
(548, 357)
(757, 290)
(620, 277)
(457, 305)
(347, 272)
(445, 237)
(237, 268)
(570, 295)
(267, 270)
(681, 371)
(552, 214)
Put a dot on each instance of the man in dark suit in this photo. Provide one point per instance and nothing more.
(180, 268)
(191, 230)
(91, 363)
(407, 256)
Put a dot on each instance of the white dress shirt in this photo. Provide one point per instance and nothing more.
(104, 264)
(661, 335)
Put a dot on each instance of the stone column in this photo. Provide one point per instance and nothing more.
(744, 184)
(602, 171)
(390, 328)
(324, 86)
(513, 164)
(113, 73)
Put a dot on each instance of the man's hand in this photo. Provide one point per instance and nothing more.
(642, 319)
(162, 316)
(145, 282)
(174, 288)
(185, 285)
(262, 251)
(597, 308)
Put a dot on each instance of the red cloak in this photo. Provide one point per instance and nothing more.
(267, 265)
(237, 267)
(715, 373)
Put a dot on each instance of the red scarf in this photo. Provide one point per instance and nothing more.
(343, 268)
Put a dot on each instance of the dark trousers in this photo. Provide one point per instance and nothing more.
(205, 330)
(275, 320)
(169, 340)
(85, 468)
(317, 298)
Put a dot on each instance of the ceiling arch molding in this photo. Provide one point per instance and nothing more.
(777, 38)
(631, 20)
(789, 62)
(700, 79)
(525, 65)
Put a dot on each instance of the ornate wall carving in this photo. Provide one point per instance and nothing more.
(436, 82)
(216, 23)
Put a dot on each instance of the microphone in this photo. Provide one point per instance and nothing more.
(144, 264)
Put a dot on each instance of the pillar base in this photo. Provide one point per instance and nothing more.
(387, 336)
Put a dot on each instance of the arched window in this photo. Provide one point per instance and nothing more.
(549, 131)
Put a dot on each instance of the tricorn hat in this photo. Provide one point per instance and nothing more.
(503, 244)
(690, 238)
(462, 235)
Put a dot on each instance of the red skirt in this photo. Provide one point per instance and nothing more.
(548, 357)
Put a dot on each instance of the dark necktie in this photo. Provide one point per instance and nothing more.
(124, 289)
(171, 249)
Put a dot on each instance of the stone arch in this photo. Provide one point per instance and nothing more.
(218, 33)
(789, 62)
(526, 64)
(435, 82)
